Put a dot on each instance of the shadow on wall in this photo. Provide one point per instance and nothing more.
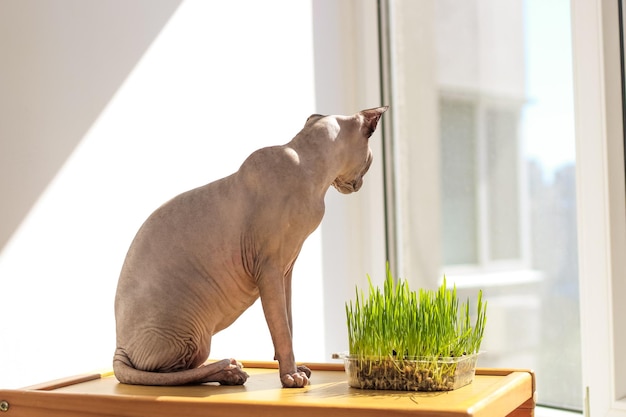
(57, 79)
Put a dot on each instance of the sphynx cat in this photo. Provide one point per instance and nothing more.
(200, 260)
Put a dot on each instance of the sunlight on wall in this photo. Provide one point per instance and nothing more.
(221, 80)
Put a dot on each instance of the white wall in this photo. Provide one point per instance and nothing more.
(61, 63)
(108, 109)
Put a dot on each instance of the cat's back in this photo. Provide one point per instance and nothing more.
(215, 214)
(273, 168)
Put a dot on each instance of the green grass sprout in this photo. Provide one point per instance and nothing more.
(426, 333)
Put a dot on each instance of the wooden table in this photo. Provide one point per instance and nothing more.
(494, 392)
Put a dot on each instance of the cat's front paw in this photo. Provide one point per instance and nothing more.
(295, 380)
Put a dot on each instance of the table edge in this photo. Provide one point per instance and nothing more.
(314, 366)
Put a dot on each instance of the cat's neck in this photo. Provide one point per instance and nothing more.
(317, 159)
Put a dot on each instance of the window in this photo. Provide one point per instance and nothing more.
(484, 172)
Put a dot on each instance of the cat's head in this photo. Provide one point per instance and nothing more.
(355, 153)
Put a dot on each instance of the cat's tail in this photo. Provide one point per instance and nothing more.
(226, 372)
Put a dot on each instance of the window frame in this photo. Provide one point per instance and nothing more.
(600, 203)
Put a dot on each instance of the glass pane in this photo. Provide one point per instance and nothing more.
(458, 185)
(496, 77)
(503, 187)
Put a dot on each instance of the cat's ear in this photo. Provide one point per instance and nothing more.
(370, 119)
(313, 117)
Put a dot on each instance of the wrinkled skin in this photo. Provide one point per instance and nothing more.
(204, 257)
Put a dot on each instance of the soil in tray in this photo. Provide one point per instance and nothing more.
(410, 375)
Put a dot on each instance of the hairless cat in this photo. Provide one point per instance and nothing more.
(200, 260)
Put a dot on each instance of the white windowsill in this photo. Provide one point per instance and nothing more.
(493, 278)
(553, 412)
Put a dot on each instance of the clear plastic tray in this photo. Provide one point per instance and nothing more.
(412, 374)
